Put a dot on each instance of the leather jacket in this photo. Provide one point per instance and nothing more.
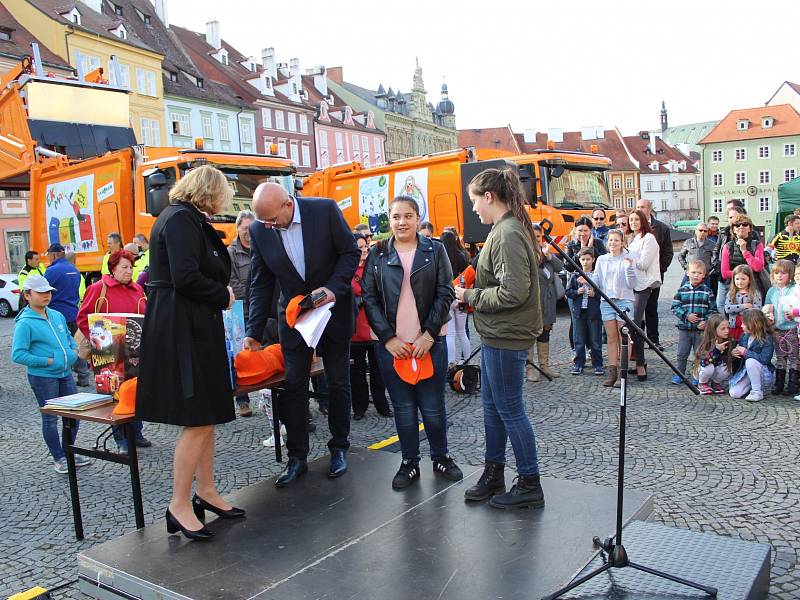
(431, 282)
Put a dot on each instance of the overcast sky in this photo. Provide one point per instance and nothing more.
(540, 65)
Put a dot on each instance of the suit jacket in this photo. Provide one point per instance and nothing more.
(331, 258)
(664, 239)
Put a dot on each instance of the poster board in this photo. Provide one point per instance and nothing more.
(414, 183)
(69, 213)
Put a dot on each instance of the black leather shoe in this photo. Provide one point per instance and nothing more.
(174, 526)
(358, 416)
(200, 507)
(143, 442)
(294, 468)
(338, 463)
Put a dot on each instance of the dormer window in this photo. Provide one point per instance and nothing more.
(120, 32)
(118, 10)
(173, 76)
(767, 122)
(742, 124)
(73, 16)
(5, 34)
(199, 83)
(654, 165)
(222, 56)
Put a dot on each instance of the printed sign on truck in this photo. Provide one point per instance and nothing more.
(69, 213)
(414, 184)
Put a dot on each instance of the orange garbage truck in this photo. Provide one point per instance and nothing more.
(69, 142)
(560, 186)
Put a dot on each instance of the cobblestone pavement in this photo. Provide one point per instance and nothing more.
(714, 464)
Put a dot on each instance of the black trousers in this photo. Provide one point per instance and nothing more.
(651, 315)
(294, 401)
(360, 355)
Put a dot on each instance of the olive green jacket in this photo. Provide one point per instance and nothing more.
(506, 300)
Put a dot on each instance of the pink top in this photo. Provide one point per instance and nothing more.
(754, 261)
(407, 315)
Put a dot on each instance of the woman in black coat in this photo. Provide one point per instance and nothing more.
(184, 377)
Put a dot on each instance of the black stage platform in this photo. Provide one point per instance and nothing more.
(355, 537)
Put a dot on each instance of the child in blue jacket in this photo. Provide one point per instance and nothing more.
(755, 348)
(43, 344)
(587, 323)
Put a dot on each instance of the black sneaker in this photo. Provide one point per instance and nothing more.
(406, 475)
(447, 468)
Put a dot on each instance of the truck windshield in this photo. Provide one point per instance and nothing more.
(576, 189)
(244, 183)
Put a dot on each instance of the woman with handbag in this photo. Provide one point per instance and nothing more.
(115, 293)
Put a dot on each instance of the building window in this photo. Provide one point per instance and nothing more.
(663, 185)
(121, 33)
(5, 35)
(124, 75)
(151, 136)
(180, 123)
(717, 205)
(763, 152)
(717, 156)
(208, 129)
(663, 205)
(629, 182)
(764, 177)
(631, 202)
(617, 183)
(294, 151)
(789, 150)
(649, 186)
(200, 83)
(173, 76)
(763, 204)
(356, 148)
(281, 147)
(339, 147)
(324, 156)
(716, 180)
(292, 118)
(306, 156)
(246, 126)
(266, 118)
(740, 154)
(304, 125)
(146, 82)
(224, 132)
(279, 120)
(741, 178)
(378, 151)
(146, 19)
(617, 202)
(88, 62)
(117, 10)
(224, 59)
(789, 174)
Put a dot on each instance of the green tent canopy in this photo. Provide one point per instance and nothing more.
(788, 201)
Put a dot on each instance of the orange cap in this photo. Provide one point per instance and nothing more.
(254, 367)
(413, 370)
(293, 310)
(127, 398)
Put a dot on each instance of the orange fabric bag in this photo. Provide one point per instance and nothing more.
(413, 370)
(127, 398)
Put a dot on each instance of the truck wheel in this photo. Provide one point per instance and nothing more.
(5, 309)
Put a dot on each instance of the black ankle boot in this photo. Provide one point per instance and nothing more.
(492, 482)
(525, 493)
(780, 377)
(792, 387)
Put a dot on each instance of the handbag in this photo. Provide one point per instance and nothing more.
(558, 285)
(84, 350)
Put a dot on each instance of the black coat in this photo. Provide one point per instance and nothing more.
(331, 258)
(574, 246)
(184, 378)
(664, 239)
(431, 282)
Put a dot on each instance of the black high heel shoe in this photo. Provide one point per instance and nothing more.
(642, 377)
(200, 507)
(174, 526)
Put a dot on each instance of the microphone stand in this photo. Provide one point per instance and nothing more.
(616, 556)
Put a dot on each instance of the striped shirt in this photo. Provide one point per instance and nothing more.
(690, 299)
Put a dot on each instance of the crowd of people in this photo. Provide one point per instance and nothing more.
(399, 321)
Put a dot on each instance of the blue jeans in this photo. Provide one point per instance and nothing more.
(504, 410)
(722, 292)
(426, 397)
(45, 388)
(588, 331)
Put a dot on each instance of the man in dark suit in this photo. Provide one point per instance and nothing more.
(305, 247)
(664, 239)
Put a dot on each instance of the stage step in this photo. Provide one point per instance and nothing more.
(355, 537)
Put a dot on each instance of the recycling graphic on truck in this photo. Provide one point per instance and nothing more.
(70, 213)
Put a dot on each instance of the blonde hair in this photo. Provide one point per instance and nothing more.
(206, 187)
(751, 282)
(783, 266)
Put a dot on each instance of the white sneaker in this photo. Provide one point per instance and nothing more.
(270, 441)
(60, 465)
(797, 397)
(82, 461)
(754, 396)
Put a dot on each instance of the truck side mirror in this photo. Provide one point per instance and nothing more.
(157, 193)
(298, 184)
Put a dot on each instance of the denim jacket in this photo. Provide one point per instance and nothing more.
(761, 351)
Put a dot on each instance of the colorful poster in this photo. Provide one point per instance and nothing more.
(115, 340)
(373, 202)
(69, 213)
(414, 184)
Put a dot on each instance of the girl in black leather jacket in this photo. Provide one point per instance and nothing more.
(407, 292)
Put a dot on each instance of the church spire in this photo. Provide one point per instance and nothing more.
(419, 86)
(664, 121)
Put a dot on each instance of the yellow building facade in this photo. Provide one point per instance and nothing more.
(84, 38)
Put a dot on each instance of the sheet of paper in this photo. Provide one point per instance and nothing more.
(311, 324)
